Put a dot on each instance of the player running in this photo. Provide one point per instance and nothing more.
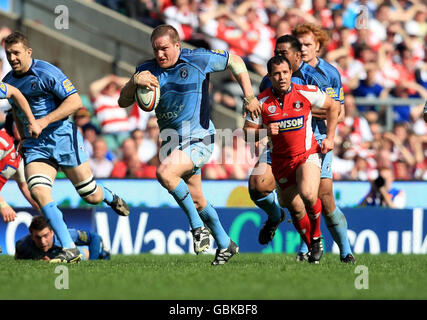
(261, 181)
(295, 153)
(313, 39)
(52, 98)
(186, 129)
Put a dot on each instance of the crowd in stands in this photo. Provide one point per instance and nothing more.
(377, 46)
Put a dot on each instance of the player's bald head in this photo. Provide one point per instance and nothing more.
(165, 30)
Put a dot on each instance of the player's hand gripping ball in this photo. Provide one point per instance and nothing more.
(147, 99)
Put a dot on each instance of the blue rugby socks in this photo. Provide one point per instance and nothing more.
(183, 198)
(337, 226)
(55, 219)
(271, 207)
(210, 217)
(107, 194)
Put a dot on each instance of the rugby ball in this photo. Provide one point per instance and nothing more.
(147, 99)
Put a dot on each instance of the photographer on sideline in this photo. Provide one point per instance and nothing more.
(382, 194)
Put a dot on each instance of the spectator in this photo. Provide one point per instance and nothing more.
(258, 36)
(90, 133)
(383, 194)
(147, 11)
(369, 88)
(114, 120)
(182, 15)
(350, 12)
(100, 165)
(146, 148)
(82, 117)
(378, 25)
(130, 166)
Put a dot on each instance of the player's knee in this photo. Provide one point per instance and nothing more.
(260, 186)
(89, 191)
(308, 196)
(163, 175)
(296, 215)
(40, 187)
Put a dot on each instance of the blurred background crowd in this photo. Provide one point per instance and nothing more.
(377, 46)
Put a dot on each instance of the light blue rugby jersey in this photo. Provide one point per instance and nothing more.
(44, 86)
(184, 91)
(3, 90)
(334, 90)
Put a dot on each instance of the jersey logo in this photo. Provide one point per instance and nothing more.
(3, 88)
(34, 85)
(331, 92)
(341, 94)
(183, 72)
(67, 85)
(8, 171)
(298, 105)
(272, 108)
(82, 235)
(219, 52)
(291, 124)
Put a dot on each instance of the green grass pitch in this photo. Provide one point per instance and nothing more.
(190, 277)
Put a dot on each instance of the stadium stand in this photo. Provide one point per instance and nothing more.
(378, 47)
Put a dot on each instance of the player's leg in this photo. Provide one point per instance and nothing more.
(334, 217)
(206, 211)
(261, 187)
(290, 198)
(169, 174)
(40, 177)
(226, 247)
(308, 178)
(91, 192)
(335, 220)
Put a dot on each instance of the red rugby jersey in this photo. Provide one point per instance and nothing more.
(294, 116)
(9, 158)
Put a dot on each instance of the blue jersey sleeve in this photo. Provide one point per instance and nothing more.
(334, 90)
(207, 60)
(265, 84)
(87, 238)
(56, 81)
(3, 90)
(337, 86)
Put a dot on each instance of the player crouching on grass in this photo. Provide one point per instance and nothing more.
(43, 244)
(296, 154)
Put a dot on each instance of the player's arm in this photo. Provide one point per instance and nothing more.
(90, 239)
(69, 105)
(252, 131)
(332, 111)
(142, 79)
(321, 113)
(239, 71)
(6, 211)
(22, 103)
